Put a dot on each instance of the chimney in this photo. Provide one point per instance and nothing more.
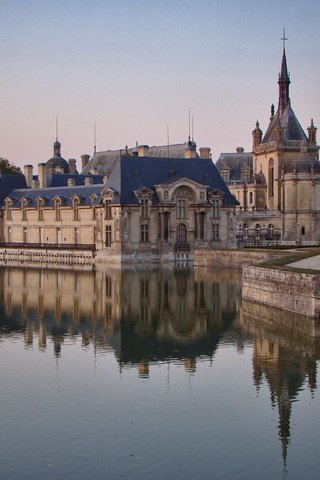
(143, 150)
(72, 165)
(28, 173)
(88, 181)
(256, 135)
(42, 175)
(84, 160)
(35, 184)
(205, 152)
(312, 133)
(71, 182)
(105, 180)
(190, 151)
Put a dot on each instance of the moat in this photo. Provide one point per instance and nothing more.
(153, 373)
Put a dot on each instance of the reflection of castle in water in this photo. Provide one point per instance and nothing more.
(286, 350)
(144, 316)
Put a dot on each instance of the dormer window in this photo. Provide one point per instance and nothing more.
(23, 209)
(144, 208)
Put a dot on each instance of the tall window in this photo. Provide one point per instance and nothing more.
(144, 233)
(181, 233)
(271, 178)
(57, 206)
(216, 208)
(270, 231)
(8, 209)
(107, 210)
(165, 226)
(144, 208)
(201, 225)
(181, 209)
(75, 204)
(246, 230)
(250, 197)
(23, 210)
(108, 235)
(215, 232)
(40, 210)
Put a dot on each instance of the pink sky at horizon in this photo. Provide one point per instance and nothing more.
(136, 66)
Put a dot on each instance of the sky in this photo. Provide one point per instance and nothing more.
(134, 67)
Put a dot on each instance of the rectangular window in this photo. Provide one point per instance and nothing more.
(144, 208)
(108, 235)
(8, 209)
(216, 209)
(40, 213)
(201, 225)
(215, 232)
(107, 210)
(181, 209)
(144, 233)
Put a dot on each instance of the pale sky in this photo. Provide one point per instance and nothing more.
(136, 66)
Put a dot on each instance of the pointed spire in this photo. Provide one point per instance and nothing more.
(284, 79)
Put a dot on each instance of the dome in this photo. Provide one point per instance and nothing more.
(58, 162)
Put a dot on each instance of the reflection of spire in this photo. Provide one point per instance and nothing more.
(284, 422)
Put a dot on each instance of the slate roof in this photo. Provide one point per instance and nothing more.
(235, 161)
(10, 182)
(290, 123)
(131, 173)
(105, 161)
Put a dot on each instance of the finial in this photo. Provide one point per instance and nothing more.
(126, 149)
(312, 122)
(284, 39)
(272, 110)
(94, 138)
(257, 124)
(56, 127)
(136, 143)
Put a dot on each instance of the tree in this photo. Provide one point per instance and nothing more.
(8, 168)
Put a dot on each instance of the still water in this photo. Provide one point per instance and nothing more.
(153, 374)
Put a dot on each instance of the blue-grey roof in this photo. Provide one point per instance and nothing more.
(10, 182)
(290, 124)
(131, 173)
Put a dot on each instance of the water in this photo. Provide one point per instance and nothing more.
(160, 374)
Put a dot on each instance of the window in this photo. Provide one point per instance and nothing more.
(271, 178)
(181, 233)
(165, 226)
(270, 231)
(75, 204)
(107, 210)
(144, 208)
(108, 236)
(303, 230)
(258, 230)
(40, 210)
(23, 210)
(216, 232)
(216, 208)
(8, 209)
(250, 197)
(201, 225)
(181, 209)
(246, 230)
(201, 195)
(144, 233)
(57, 205)
(166, 195)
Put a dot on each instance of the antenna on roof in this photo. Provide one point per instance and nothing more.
(192, 129)
(94, 138)
(189, 126)
(168, 143)
(56, 127)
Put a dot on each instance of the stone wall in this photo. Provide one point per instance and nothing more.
(232, 258)
(287, 290)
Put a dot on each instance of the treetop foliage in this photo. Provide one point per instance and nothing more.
(8, 168)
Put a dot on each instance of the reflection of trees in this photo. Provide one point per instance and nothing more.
(148, 315)
(285, 354)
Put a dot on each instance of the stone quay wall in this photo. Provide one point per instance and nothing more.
(232, 258)
(287, 290)
(46, 257)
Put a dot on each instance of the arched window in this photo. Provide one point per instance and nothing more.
(181, 233)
